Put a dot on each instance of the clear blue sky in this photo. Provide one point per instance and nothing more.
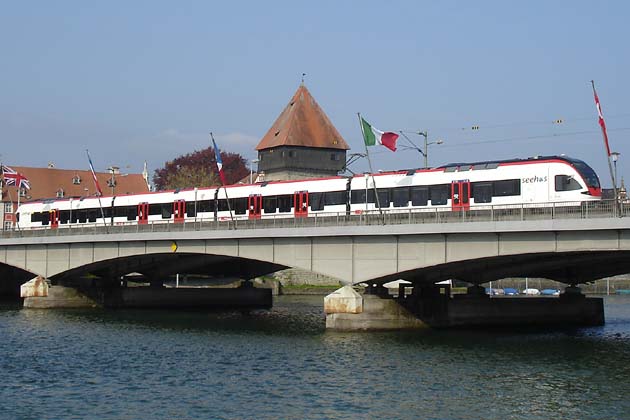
(147, 80)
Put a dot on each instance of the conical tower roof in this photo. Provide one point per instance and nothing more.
(303, 123)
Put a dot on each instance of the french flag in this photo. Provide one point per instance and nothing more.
(217, 155)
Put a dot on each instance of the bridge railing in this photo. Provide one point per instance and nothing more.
(520, 212)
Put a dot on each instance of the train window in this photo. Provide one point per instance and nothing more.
(439, 194)
(270, 204)
(205, 206)
(333, 198)
(419, 196)
(92, 215)
(506, 187)
(316, 201)
(240, 205)
(383, 197)
(132, 212)
(357, 196)
(82, 216)
(154, 210)
(64, 216)
(45, 218)
(464, 168)
(120, 211)
(400, 197)
(481, 192)
(190, 209)
(566, 183)
(284, 203)
(166, 210)
(36, 217)
(223, 205)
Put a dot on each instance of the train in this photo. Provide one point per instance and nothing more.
(535, 181)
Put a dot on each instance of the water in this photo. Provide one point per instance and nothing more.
(283, 364)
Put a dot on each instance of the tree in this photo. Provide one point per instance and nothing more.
(199, 169)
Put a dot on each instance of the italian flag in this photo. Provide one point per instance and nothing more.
(371, 136)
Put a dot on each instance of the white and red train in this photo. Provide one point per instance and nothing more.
(453, 187)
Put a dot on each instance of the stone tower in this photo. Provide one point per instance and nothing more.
(302, 143)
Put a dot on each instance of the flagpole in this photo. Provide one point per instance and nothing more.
(98, 192)
(607, 146)
(227, 199)
(378, 203)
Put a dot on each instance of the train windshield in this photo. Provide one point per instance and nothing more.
(587, 173)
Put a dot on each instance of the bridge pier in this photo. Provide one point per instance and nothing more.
(433, 306)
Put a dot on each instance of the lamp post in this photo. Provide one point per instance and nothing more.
(615, 157)
(112, 181)
(427, 143)
(251, 170)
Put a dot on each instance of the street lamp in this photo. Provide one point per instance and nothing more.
(112, 181)
(251, 170)
(427, 143)
(615, 157)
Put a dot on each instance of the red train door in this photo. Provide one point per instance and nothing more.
(54, 218)
(179, 208)
(254, 204)
(300, 203)
(143, 213)
(460, 195)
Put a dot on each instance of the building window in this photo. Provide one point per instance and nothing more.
(76, 180)
(8, 207)
(335, 157)
(60, 193)
(292, 153)
(22, 192)
(8, 225)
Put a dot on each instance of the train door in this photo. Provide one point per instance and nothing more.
(460, 195)
(54, 218)
(179, 208)
(300, 203)
(254, 204)
(143, 213)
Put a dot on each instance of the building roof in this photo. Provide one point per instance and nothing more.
(46, 182)
(303, 123)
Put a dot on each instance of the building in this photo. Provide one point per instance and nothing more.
(58, 183)
(301, 143)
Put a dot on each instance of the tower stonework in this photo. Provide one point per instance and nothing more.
(301, 143)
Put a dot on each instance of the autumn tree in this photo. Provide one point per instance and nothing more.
(199, 169)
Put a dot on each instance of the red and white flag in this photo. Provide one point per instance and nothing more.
(602, 123)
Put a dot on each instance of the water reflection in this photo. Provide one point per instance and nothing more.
(284, 364)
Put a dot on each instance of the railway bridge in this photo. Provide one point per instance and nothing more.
(571, 246)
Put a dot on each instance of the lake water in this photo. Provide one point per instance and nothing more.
(95, 364)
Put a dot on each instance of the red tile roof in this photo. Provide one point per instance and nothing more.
(303, 123)
(45, 182)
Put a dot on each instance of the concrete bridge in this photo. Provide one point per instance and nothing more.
(573, 247)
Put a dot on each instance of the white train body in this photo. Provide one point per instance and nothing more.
(454, 187)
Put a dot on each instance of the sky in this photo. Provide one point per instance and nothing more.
(148, 80)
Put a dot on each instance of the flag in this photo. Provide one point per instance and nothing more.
(12, 177)
(96, 184)
(371, 136)
(602, 123)
(217, 155)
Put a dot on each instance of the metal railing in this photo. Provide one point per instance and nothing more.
(393, 216)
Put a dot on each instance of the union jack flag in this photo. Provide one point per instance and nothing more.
(12, 177)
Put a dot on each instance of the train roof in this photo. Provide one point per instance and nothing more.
(491, 164)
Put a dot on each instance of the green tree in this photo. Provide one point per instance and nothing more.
(199, 169)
